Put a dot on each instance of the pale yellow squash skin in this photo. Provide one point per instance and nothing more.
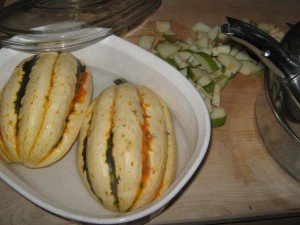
(171, 163)
(141, 129)
(157, 149)
(51, 111)
(8, 115)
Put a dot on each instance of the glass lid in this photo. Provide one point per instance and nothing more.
(58, 25)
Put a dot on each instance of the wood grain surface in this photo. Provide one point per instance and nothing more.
(238, 179)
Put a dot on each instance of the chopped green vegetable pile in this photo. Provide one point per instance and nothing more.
(208, 59)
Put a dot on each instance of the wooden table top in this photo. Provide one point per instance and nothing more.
(238, 179)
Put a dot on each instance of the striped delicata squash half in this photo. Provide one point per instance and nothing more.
(42, 108)
(127, 153)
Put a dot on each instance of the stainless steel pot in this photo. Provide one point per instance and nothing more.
(278, 106)
(278, 130)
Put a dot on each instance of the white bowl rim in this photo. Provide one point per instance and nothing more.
(119, 43)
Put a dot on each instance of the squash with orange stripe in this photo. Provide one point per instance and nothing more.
(42, 108)
(127, 150)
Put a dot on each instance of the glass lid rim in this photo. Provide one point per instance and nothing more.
(77, 24)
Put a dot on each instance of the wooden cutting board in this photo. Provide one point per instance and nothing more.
(238, 178)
